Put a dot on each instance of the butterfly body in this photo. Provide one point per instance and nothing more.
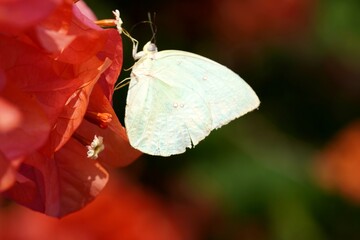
(177, 98)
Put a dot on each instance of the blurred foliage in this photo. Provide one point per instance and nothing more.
(258, 169)
(338, 30)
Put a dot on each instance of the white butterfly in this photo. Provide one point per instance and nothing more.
(177, 98)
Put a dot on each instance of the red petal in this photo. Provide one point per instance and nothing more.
(75, 108)
(61, 184)
(118, 151)
(113, 49)
(64, 95)
(49, 81)
(86, 10)
(33, 129)
(7, 173)
(124, 211)
(69, 35)
(10, 116)
(338, 165)
(17, 15)
(52, 70)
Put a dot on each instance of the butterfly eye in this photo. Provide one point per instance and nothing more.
(151, 47)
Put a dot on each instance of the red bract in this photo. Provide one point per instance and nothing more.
(24, 128)
(18, 15)
(61, 69)
(338, 165)
(124, 211)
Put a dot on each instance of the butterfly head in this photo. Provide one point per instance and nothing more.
(150, 47)
(149, 50)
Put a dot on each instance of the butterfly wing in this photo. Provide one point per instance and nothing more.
(226, 93)
(176, 98)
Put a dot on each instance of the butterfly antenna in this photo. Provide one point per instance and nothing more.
(153, 27)
(121, 30)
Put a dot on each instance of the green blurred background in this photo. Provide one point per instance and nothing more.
(257, 173)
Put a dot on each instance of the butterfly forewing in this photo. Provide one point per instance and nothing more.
(176, 98)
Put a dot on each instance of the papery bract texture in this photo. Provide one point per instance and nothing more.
(18, 15)
(61, 69)
(124, 211)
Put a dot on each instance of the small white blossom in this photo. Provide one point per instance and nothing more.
(119, 22)
(96, 146)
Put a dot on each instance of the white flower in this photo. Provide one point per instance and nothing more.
(95, 147)
(119, 22)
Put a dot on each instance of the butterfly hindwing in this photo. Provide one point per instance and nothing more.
(163, 115)
(176, 98)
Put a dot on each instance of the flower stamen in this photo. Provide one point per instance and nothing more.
(117, 22)
(96, 147)
(100, 119)
(106, 23)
